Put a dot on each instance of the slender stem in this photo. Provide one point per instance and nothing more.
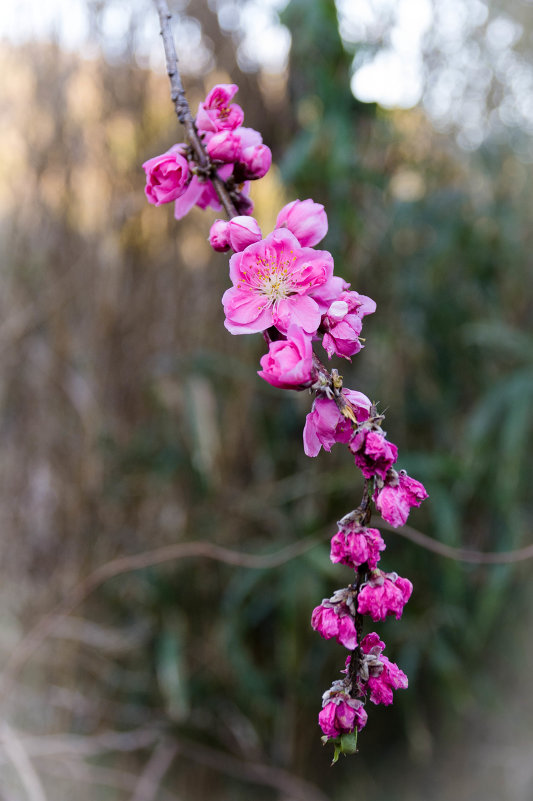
(183, 111)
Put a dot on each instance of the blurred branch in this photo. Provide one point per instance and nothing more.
(149, 784)
(459, 554)
(183, 111)
(43, 628)
(18, 757)
(260, 773)
(126, 564)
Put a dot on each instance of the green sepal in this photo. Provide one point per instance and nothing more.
(345, 744)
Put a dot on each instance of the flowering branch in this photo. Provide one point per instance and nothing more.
(286, 290)
(183, 111)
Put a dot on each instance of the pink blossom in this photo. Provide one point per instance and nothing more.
(237, 233)
(219, 236)
(306, 219)
(202, 194)
(395, 499)
(289, 362)
(374, 455)
(335, 621)
(243, 231)
(342, 715)
(342, 323)
(384, 594)
(271, 284)
(380, 675)
(166, 176)
(329, 292)
(255, 161)
(391, 678)
(216, 113)
(325, 425)
(224, 146)
(342, 338)
(355, 546)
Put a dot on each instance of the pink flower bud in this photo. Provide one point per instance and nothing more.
(289, 362)
(255, 161)
(224, 146)
(306, 219)
(243, 231)
(166, 176)
(219, 236)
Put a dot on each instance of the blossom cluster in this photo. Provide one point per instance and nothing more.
(285, 288)
(237, 153)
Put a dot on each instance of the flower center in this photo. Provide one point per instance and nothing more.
(274, 280)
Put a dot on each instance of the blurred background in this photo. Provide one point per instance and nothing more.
(131, 420)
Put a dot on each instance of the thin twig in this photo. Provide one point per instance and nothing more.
(459, 554)
(183, 111)
(181, 550)
(149, 785)
(20, 760)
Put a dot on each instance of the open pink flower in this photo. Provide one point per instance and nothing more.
(355, 546)
(271, 284)
(289, 362)
(166, 176)
(306, 219)
(395, 499)
(374, 455)
(216, 113)
(384, 594)
(325, 425)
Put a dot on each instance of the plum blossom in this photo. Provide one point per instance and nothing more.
(377, 674)
(216, 113)
(224, 146)
(200, 193)
(306, 219)
(340, 713)
(374, 455)
(335, 621)
(342, 323)
(384, 594)
(255, 161)
(289, 362)
(237, 233)
(356, 546)
(334, 618)
(396, 497)
(271, 284)
(325, 425)
(167, 176)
